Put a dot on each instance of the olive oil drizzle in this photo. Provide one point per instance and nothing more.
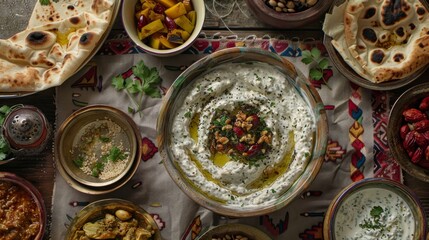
(279, 168)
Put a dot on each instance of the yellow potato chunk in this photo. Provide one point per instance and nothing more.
(176, 11)
(192, 16)
(148, 4)
(154, 16)
(184, 23)
(155, 41)
(150, 29)
(144, 12)
(167, 3)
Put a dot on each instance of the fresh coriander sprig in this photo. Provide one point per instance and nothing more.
(317, 64)
(144, 81)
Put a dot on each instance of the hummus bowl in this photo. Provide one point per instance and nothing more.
(375, 208)
(241, 132)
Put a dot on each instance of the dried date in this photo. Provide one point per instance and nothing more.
(413, 115)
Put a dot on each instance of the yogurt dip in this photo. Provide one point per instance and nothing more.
(243, 134)
(374, 213)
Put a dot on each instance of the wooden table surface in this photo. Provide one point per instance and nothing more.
(40, 170)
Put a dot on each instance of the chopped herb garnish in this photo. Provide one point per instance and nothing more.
(374, 221)
(78, 161)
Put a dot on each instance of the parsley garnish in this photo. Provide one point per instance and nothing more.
(145, 81)
(115, 154)
(374, 221)
(78, 161)
(319, 64)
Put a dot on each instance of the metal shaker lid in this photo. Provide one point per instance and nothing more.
(25, 127)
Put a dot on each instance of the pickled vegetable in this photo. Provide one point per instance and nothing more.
(165, 24)
(184, 23)
(176, 11)
(150, 29)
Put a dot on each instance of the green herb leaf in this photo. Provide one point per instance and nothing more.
(324, 64)
(307, 60)
(188, 114)
(115, 154)
(78, 162)
(44, 2)
(316, 74)
(315, 52)
(376, 211)
(306, 54)
(118, 82)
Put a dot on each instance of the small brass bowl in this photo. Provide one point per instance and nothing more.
(72, 132)
(98, 209)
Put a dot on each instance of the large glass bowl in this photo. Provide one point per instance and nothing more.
(179, 90)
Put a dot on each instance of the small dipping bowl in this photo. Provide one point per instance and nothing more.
(357, 207)
(75, 129)
(97, 210)
(10, 178)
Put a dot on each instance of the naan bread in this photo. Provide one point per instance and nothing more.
(55, 44)
(381, 40)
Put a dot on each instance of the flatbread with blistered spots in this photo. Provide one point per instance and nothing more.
(53, 46)
(382, 40)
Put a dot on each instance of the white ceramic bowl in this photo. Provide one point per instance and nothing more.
(129, 21)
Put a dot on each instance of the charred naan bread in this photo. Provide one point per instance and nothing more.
(381, 40)
(59, 38)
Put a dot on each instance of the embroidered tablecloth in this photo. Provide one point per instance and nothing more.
(357, 146)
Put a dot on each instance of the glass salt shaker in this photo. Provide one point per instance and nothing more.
(27, 130)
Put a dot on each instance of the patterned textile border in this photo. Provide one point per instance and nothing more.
(384, 166)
